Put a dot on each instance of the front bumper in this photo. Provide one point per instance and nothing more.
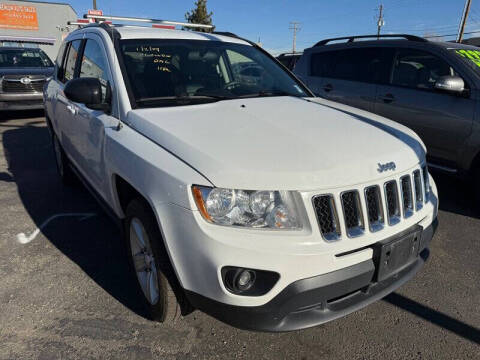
(21, 101)
(316, 300)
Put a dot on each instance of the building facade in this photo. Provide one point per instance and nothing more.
(33, 23)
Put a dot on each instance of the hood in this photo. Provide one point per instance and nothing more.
(280, 143)
(47, 71)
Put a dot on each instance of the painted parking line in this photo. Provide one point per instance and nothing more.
(24, 239)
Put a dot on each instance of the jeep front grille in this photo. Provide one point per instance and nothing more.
(327, 216)
(404, 196)
(352, 212)
(373, 200)
(407, 195)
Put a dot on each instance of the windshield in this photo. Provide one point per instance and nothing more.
(180, 72)
(12, 58)
(470, 57)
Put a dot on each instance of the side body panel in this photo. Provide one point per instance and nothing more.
(442, 120)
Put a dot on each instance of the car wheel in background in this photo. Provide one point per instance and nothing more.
(63, 165)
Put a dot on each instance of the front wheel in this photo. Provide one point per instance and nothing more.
(149, 261)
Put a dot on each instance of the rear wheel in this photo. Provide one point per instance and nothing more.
(150, 263)
(63, 164)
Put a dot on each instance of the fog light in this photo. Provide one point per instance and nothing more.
(244, 280)
(248, 282)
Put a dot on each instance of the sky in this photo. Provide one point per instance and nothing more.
(268, 20)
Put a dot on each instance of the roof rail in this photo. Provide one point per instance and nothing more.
(226, 33)
(146, 20)
(353, 38)
(291, 53)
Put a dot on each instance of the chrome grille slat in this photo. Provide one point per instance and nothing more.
(407, 195)
(352, 212)
(18, 87)
(417, 180)
(426, 182)
(391, 198)
(373, 200)
(327, 217)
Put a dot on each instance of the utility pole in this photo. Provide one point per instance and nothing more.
(380, 21)
(461, 29)
(295, 26)
(94, 4)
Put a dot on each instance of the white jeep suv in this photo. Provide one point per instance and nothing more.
(243, 196)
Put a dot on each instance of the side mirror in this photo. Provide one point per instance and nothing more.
(88, 91)
(452, 84)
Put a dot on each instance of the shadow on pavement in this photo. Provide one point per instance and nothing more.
(435, 317)
(20, 114)
(456, 195)
(94, 244)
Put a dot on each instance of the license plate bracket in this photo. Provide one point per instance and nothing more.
(394, 255)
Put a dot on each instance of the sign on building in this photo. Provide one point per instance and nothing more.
(18, 17)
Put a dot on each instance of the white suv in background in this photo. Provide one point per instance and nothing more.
(250, 200)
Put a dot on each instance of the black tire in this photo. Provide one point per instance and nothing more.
(476, 187)
(63, 164)
(167, 309)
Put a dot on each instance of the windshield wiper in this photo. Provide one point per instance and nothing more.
(180, 99)
(268, 93)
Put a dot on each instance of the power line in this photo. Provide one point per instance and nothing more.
(465, 33)
(295, 26)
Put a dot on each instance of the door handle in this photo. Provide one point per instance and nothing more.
(387, 98)
(328, 88)
(72, 109)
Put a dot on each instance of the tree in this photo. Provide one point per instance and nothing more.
(200, 15)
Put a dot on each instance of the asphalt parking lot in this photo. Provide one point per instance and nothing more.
(65, 292)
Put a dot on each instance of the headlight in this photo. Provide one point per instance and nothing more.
(252, 209)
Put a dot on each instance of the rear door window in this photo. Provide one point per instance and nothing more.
(368, 65)
(59, 61)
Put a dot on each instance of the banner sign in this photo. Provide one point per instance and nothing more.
(18, 17)
(95, 12)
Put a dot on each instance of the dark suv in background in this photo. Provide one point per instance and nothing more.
(289, 60)
(431, 87)
(23, 72)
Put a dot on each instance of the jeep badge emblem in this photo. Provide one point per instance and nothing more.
(25, 80)
(387, 166)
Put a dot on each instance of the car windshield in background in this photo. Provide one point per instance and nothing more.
(183, 72)
(11, 58)
(470, 57)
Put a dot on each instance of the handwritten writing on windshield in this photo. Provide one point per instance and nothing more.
(159, 58)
